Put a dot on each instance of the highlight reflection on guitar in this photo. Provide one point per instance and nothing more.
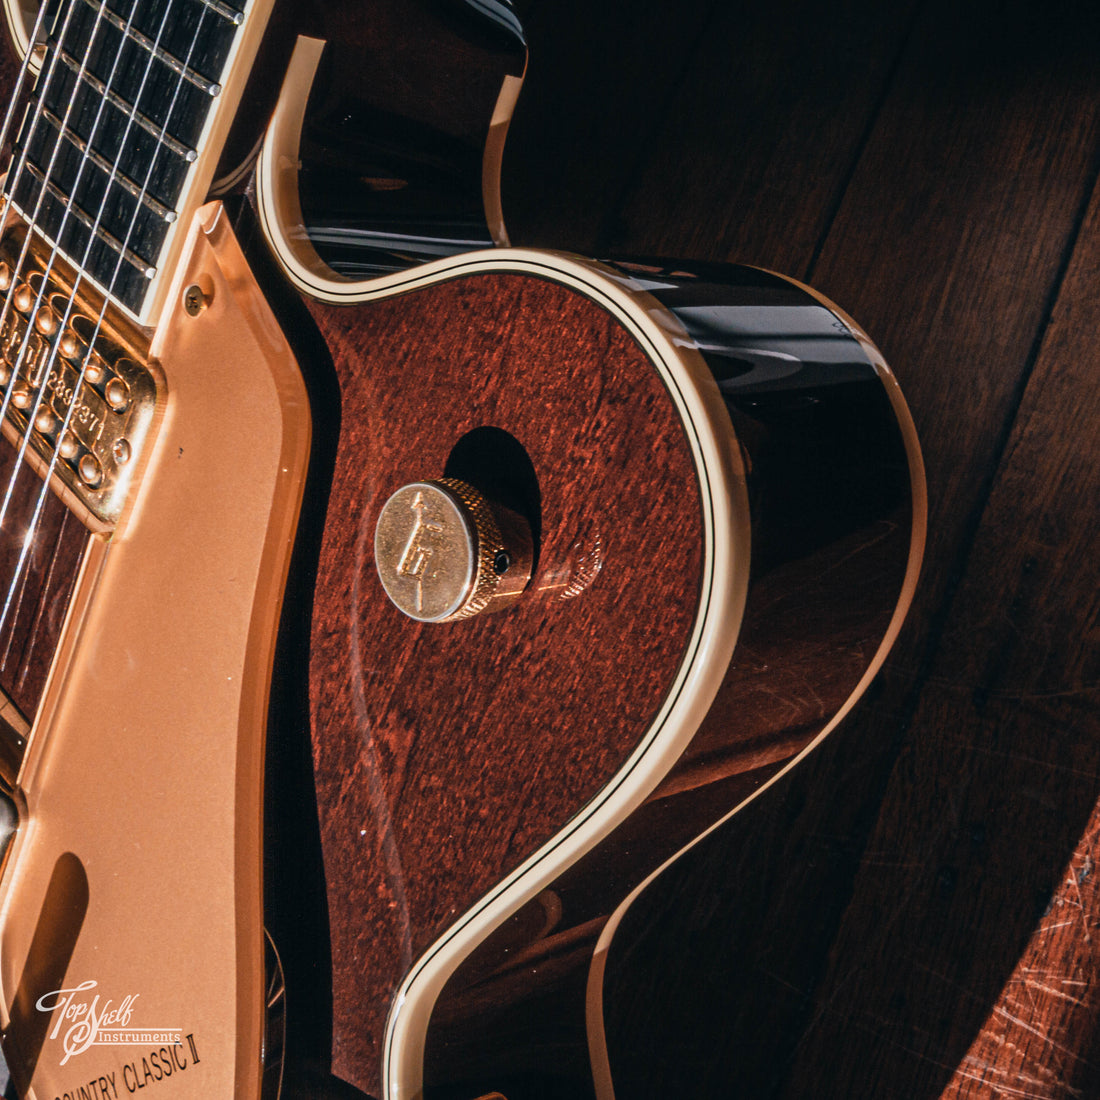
(383, 610)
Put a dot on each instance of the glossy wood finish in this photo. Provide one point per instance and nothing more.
(831, 513)
(913, 913)
(517, 381)
(446, 753)
(743, 745)
(929, 165)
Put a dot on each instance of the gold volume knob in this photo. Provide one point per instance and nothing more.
(443, 552)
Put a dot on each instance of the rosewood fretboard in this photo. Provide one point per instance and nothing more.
(34, 597)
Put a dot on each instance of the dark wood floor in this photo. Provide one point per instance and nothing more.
(913, 913)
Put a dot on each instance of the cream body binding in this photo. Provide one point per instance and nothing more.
(726, 554)
(722, 476)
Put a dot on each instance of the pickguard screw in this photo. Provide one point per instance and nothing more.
(194, 301)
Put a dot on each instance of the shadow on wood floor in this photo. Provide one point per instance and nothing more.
(912, 913)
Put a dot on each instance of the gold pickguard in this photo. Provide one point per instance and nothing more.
(143, 772)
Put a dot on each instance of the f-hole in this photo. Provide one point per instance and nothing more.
(496, 464)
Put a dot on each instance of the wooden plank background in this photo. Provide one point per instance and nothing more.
(914, 912)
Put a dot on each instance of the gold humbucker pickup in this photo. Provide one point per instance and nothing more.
(81, 402)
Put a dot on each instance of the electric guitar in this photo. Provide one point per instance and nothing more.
(383, 607)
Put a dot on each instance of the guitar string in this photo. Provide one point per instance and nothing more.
(43, 495)
(64, 427)
(21, 76)
(16, 276)
(44, 78)
(44, 490)
(33, 36)
(32, 218)
(48, 174)
(45, 81)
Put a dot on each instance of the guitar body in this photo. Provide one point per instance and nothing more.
(725, 501)
(490, 791)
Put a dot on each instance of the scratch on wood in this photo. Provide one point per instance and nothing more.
(1031, 1044)
(1041, 1034)
(1010, 1090)
(1033, 985)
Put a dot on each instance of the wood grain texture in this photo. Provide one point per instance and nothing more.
(911, 914)
(793, 954)
(831, 527)
(425, 733)
(1043, 1028)
(596, 88)
(763, 85)
(1015, 727)
(37, 592)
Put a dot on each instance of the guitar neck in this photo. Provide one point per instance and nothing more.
(123, 130)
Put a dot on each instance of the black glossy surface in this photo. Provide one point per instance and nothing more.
(824, 453)
(396, 127)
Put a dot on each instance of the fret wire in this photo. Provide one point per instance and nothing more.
(30, 121)
(25, 550)
(225, 11)
(109, 286)
(13, 174)
(71, 207)
(130, 292)
(90, 222)
(182, 72)
(173, 63)
(24, 163)
(24, 71)
(143, 120)
(118, 176)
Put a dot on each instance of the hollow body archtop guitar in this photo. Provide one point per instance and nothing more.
(382, 611)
